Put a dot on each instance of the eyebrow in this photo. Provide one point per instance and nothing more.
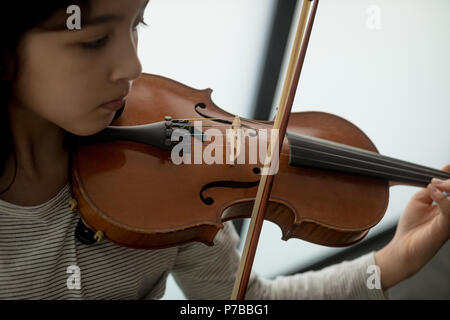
(103, 19)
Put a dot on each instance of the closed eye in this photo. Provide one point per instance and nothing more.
(100, 43)
(96, 44)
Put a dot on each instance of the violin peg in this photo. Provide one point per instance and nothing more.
(99, 236)
(73, 204)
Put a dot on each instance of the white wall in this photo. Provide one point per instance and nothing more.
(216, 44)
(393, 82)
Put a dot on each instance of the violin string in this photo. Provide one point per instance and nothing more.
(372, 158)
(372, 172)
(218, 126)
(377, 157)
(408, 171)
(392, 167)
(396, 163)
(386, 165)
(231, 119)
(268, 125)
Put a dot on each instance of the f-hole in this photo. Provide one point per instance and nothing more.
(225, 184)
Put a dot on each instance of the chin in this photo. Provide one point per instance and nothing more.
(83, 132)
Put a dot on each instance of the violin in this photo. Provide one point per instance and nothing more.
(128, 188)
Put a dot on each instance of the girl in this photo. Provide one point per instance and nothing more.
(55, 83)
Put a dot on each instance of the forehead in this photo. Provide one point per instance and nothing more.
(93, 12)
(100, 7)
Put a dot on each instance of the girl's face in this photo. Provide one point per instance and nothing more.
(66, 74)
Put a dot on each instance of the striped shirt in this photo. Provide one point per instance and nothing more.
(40, 258)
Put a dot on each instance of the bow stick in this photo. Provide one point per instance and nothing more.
(296, 61)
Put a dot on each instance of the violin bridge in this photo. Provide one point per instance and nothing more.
(234, 140)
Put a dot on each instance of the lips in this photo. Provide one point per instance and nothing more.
(116, 104)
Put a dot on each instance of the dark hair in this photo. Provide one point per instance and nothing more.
(15, 21)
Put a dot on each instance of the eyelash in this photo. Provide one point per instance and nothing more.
(100, 43)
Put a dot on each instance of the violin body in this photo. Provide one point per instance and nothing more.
(137, 196)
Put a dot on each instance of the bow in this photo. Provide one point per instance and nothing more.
(278, 132)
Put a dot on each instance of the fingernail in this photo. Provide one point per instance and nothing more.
(434, 189)
(436, 181)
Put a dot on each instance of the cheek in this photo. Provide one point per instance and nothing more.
(61, 88)
(63, 100)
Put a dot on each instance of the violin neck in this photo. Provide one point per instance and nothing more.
(306, 151)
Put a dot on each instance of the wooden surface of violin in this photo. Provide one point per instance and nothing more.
(137, 196)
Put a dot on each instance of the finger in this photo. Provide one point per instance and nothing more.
(424, 196)
(443, 185)
(440, 198)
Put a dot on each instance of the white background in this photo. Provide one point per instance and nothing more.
(392, 82)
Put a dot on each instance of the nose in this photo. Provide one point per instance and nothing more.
(127, 64)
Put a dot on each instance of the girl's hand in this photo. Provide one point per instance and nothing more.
(422, 230)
